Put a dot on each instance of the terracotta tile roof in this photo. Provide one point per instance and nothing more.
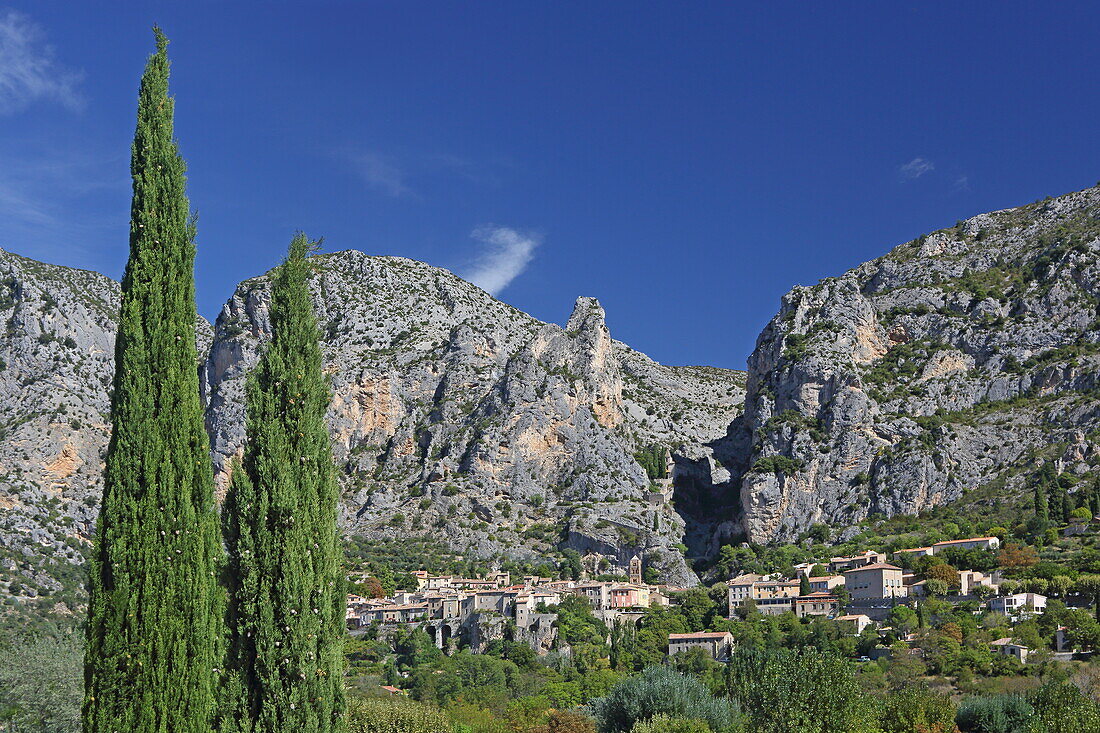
(700, 635)
(875, 566)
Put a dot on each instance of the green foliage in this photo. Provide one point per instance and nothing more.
(654, 459)
(413, 647)
(916, 709)
(1081, 512)
(651, 639)
(734, 560)
(396, 715)
(287, 586)
(392, 561)
(776, 464)
(566, 721)
(154, 609)
(795, 346)
(696, 606)
(972, 559)
(901, 362)
(660, 690)
(799, 691)
(1064, 709)
(571, 567)
(40, 683)
(577, 624)
(998, 714)
(993, 282)
(666, 724)
(797, 421)
(481, 678)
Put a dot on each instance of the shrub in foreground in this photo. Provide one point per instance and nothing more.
(41, 683)
(918, 709)
(395, 715)
(800, 691)
(566, 721)
(665, 724)
(997, 714)
(661, 690)
(1063, 708)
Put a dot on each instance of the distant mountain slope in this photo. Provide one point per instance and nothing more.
(958, 359)
(459, 416)
(951, 367)
(454, 416)
(56, 354)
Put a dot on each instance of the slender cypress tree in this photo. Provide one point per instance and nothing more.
(1061, 505)
(287, 588)
(153, 616)
(1042, 503)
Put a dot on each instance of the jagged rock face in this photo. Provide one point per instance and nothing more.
(57, 356)
(453, 414)
(457, 416)
(950, 362)
(954, 361)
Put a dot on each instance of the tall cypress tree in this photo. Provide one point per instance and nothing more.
(1042, 503)
(287, 587)
(153, 613)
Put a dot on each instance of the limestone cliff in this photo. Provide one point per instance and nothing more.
(454, 416)
(954, 364)
(457, 416)
(958, 359)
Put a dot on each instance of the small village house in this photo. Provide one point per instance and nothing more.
(1009, 648)
(1019, 606)
(718, 644)
(879, 580)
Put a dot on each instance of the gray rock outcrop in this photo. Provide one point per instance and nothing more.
(958, 359)
(454, 416)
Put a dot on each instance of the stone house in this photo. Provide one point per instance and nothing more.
(1011, 649)
(718, 644)
(878, 580)
(857, 621)
(973, 543)
(840, 564)
(817, 604)
(826, 584)
(1019, 605)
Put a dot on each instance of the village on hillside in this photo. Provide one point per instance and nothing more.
(447, 606)
(860, 593)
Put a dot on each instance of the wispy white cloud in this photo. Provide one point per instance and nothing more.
(506, 253)
(381, 174)
(28, 70)
(916, 168)
(962, 183)
(472, 171)
(54, 203)
(411, 174)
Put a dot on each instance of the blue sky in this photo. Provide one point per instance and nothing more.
(686, 163)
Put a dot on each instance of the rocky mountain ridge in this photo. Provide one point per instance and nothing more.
(454, 415)
(457, 415)
(951, 367)
(959, 360)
